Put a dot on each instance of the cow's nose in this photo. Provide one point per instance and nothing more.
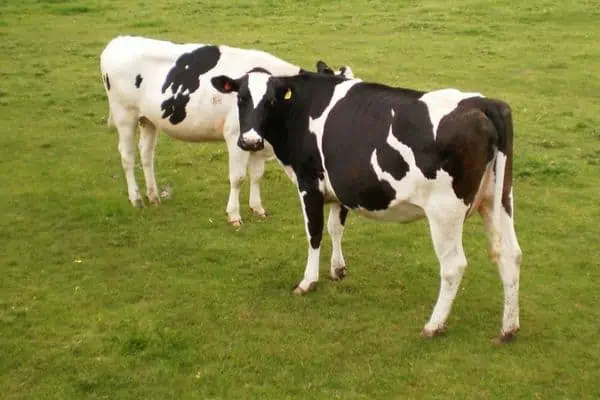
(251, 141)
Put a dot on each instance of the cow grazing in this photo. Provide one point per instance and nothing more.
(162, 85)
(391, 154)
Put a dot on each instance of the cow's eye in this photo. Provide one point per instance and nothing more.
(242, 99)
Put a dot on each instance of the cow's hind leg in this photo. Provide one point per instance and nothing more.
(147, 145)
(126, 124)
(505, 251)
(335, 227)
(256, 169)
(446, 226)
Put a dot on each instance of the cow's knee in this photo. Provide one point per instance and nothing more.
(236, 180)
(453, 268)
(238, 165)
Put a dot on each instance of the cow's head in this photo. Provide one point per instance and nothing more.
(257, 98)
(261, 98)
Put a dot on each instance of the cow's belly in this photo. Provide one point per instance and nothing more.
(202, 131)
(401, 212)
(203, 121)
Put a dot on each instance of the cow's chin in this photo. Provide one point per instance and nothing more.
(251, 147)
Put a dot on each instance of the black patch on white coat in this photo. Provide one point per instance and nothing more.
(138, 81)
(358, 125)
(185, 77)
(107, 81)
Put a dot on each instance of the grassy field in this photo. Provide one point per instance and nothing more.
(102, 301)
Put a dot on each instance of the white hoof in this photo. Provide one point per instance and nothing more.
(305, 287)
(337, 273)
(259, 213)
(137, 203)
(432, 331)
(236, 223)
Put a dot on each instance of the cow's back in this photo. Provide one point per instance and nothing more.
(356, 130)
(384, 146)
(169, 84)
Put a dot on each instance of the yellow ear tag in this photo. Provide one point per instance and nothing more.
(288, 94)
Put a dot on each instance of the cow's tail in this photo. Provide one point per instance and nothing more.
(500, 114)
(110, 123)
(499, 185)
(109, 120)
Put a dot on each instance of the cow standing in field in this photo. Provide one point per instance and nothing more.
(391, 154)
(166, 86)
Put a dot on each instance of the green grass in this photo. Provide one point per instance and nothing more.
(102, 301)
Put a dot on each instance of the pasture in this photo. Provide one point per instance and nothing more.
(99, 300)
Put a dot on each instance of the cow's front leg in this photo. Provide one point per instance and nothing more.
(256, 170)
(238, 164)
(312, 207)
(335, 227)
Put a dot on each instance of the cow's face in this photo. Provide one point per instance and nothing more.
(258, 98)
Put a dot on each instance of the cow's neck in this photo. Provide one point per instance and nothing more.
(290, 129)
(286, 135)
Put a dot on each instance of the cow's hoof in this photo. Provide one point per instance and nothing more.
(505, 337)
(154, 199)
(429, 333)
(236, 223)
(299, 291)
(139, 203)
(337, 274)
(259, 213)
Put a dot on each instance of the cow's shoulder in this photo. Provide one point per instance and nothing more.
(183, 79)
(189, 66)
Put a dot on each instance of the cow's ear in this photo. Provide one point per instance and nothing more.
(346, 72)
(225, 84)
(284, 93)
(323, 68)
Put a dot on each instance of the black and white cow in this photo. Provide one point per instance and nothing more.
(166, 86)
(390, 154)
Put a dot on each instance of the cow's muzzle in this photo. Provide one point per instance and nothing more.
(251, 141)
